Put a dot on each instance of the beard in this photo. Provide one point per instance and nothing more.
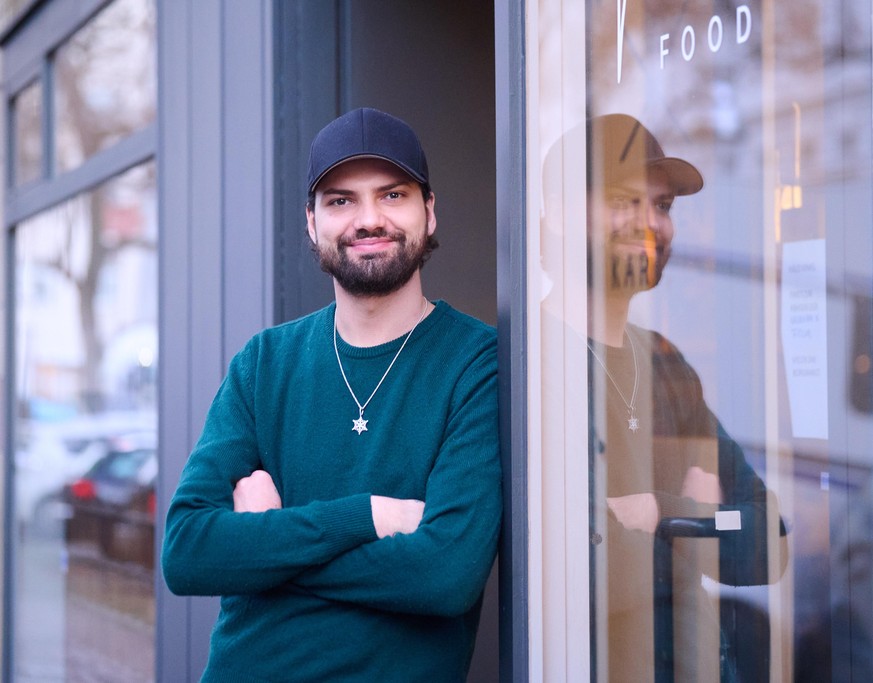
(620, 269)
(377, 274)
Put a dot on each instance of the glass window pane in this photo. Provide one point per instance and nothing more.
(105, 81)
(27, 134)
(85, 427)
(727, 320)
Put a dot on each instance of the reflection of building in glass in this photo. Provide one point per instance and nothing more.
(768, 105)
(95, 105)
(85, 258)
(87, 330)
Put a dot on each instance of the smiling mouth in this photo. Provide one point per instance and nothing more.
(369, 244)
(365, 241)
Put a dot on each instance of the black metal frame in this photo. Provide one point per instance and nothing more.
(512, 331)
(668, 530)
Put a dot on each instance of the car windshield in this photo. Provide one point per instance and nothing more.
(121, 465)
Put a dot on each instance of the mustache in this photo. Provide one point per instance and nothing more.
(364, 233)
(632, 232)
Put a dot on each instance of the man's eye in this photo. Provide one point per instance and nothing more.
(339, 201)
(394, 195)
(621, 203)
(665, 206)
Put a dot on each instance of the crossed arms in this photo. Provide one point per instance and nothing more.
(229, 532)
(258, 493)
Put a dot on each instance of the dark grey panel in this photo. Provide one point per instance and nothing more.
(511, 329)
(215, 100)
(306, 96)
(432, 64)
(247, 187)
(174, 159)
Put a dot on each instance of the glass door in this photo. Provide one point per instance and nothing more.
(716, 160)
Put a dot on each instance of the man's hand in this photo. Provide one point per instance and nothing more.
(636, 511)
(702, 486)
(256, 493)
(394, 516)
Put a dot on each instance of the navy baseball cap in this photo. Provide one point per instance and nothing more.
(367, 133)
(621, 146)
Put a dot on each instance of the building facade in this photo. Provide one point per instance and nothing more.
(155, 154)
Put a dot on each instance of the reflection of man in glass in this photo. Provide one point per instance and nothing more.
(658, 451)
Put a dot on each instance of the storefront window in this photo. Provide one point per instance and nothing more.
(95, 70)
(85, 426)
(82, 403)
(711, 288)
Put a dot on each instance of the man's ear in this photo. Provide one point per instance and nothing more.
(310, 225)
(429, 205)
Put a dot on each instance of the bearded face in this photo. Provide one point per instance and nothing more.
(629, 235)
(371, 226)
(373, 274)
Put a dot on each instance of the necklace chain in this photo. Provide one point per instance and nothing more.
(360, 425)
(633, 422)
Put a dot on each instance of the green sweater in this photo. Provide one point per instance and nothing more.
(309, 592)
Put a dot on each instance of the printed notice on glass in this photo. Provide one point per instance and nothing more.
(804, 336)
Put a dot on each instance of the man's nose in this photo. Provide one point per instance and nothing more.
(654, 217)
(369, 215)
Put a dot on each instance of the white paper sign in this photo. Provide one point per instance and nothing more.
(728, 520)
(804, 336)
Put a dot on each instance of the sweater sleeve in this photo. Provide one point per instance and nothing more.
(442, 567)
(211, 550)
(742, 557)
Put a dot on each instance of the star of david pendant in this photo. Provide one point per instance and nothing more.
(633, 423)
(360, 425)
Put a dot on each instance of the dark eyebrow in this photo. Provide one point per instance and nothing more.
(384, 188)
(332, 190)
(624, 189)
(394, 185)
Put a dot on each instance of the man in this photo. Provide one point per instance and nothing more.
(344, 497)
(658, 452)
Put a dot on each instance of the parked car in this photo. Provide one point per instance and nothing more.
(112, 506)
(50, 453)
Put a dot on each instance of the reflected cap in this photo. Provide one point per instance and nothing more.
(365, 133)
(621, 146)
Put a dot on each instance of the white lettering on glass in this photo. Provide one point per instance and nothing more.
(664, 50)
(621, 8)
(804, 336)
(714, 44)
(714, 35)
(688, 37)
(744, 24)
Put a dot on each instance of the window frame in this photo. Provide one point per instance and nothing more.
(28, 44)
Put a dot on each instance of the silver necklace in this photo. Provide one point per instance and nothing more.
(360, 425)
(633, 422)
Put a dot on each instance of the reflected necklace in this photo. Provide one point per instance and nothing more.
(633, 422)
(360, 425)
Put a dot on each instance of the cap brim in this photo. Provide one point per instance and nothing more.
(683, 177)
